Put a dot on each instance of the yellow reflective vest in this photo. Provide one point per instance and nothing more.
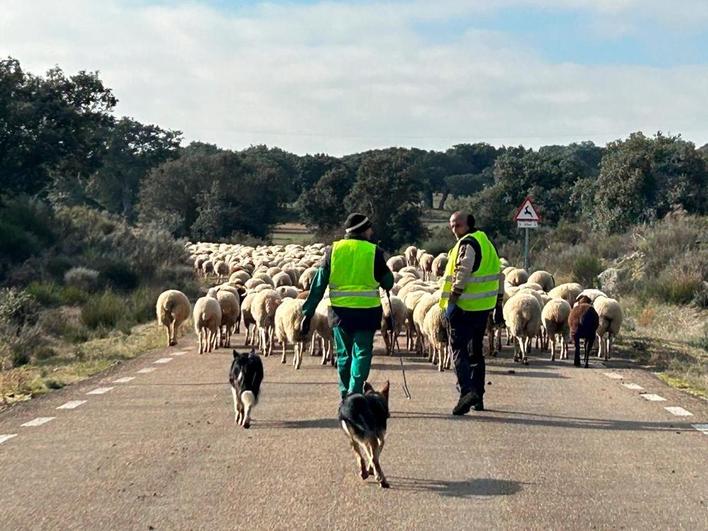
(351, 278)
(482, 286)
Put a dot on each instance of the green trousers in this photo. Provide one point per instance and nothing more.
(354, 352)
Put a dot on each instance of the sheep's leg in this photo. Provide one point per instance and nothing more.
(169, 335)
(576, 360)
(608, 350)
(300, 346)
(284, 358)
(387, 343)
(552, 339)
(441, 358)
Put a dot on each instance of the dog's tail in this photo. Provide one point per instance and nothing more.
(249, 399)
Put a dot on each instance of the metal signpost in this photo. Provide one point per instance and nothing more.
(526, 218)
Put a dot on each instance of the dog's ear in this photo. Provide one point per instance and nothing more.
(368, 388)
(385, 389)
(236, 354)
(253, 351)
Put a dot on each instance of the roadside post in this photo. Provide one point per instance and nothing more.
(526, 218)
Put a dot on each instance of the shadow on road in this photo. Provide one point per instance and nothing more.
(527, 373)
(533, 419)
(327, 423)
(457, 489)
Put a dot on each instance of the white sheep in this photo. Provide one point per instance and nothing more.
(611, 316)
(411, 301)
(287, 291)
(263, 308)
(207, 320)
(288, 316)
(398, 310)
(591, 294)
(522, 315)
(554, 317)
(568, 291)
(307, 277)
(544, 279)
(426, 264)
(230, 314)
(419, 312)
(172, 310)
(249, 322)
(321, 327)
(435, 332)
(516, 276)
(411, 254)
(439, 265)
(282, 279)
(396, 263)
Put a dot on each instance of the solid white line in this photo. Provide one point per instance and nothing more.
(613, 375)
(182, 353)
(163, 360)
(100, 391)
(147, 370)
(37, 422)
(7, 437)
(652, 397)
(125, 379)
(678, 411)
(703, 428)
(633, 386)
(72, 404)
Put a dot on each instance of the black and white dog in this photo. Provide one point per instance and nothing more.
(245, 376)
(363, 419)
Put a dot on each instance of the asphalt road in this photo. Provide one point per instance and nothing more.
(558, 448)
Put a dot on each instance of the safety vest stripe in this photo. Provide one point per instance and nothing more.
(472, 278)
(472, 296)
(368, 294)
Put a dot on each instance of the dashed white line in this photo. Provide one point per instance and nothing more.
(147, 370)
(163, 360)
(633, 386)
(703, 428)
(37, 422)
(652, 397)
(678, 411)
(7, 437)
(100, 391)
(125, 379)
(72, 404)
(613, 375)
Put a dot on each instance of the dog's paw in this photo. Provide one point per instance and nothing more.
(247, 424)
(363, 474)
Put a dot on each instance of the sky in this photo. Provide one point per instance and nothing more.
(340, 77)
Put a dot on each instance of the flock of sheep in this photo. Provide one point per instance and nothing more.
(265, 287)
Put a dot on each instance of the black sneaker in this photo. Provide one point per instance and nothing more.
(479, 406)
(465, 403)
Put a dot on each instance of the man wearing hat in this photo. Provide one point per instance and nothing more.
(473, 285)
(353, 268)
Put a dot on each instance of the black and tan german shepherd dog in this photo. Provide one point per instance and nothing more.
(245, 377)
(363, 418)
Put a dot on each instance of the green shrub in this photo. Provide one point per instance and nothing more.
(140, 307)
(56, 266)
(81, 277)
(440, 240)
(119, 275)
(103, 310)
(53, 384)
(679, 282)
(72, 296)
(18, 308)
(585, 269)
(45, 293)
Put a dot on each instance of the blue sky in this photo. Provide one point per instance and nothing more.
(339, 77)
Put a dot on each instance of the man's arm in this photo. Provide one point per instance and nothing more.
(382, 273)
(463, 269)
(318, 287)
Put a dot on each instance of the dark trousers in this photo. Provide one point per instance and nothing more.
(466, 335)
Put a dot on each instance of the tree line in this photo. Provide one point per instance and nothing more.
(61, 144)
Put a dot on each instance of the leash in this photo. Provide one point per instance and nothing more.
(392, 340)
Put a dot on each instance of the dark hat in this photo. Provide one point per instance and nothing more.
(356, 223)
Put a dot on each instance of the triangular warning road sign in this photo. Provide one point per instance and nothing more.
(527, 212)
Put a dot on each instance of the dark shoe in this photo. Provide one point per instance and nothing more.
(479, 406)
(465, 403)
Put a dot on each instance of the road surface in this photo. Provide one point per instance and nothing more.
(152, 445)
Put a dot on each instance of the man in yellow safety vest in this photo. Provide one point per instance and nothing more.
(353, 268)
(473, 285)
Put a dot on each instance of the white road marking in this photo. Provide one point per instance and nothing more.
(182, 353)
(100, 391)
(125, 379)
(147, 370)
(613, 375)
(163, 360)
(652, 397)
(703, 428)
(678, 411)
(72, 404)
(37, 422)
(633, 386)
(7, 437)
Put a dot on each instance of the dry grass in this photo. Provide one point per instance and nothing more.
(668, 339)
(77, 362)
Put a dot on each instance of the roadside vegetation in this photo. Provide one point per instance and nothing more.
(96, 209)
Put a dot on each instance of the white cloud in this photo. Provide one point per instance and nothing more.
(342, 78)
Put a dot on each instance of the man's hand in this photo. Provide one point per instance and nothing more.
(305, 325)
(449, 310)
(498, 315)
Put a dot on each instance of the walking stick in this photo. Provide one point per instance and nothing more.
(391, 333)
